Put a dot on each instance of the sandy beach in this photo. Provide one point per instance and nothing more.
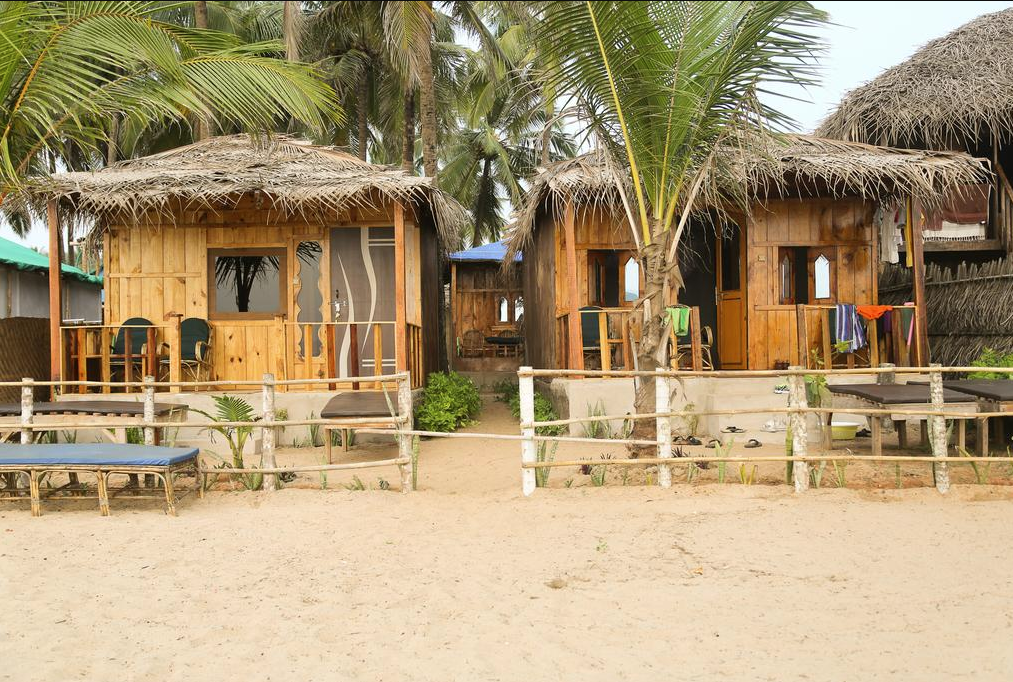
(467, 580)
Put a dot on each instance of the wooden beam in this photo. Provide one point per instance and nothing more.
(574, 335)
(400, 306)
(919, 219)
(55, 294)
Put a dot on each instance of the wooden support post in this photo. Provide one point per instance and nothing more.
(378, 352)
(526, 385)
(799, 436)
(695, 339)
(270, 480)
(400, 292)
(150, 348)
(128, 358)
(82, 358)
(331, 354)
(921, 340)
(149, 409)
(575, 338)
(176, 353)
(27, 411)
(939, 447)
(828, 351)
(55, 292)
(353, 353)
(664, 427)
(404, 441)
(603, 341)
(106, 371)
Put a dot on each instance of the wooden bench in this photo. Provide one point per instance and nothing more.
(103, 460)
(356, 405)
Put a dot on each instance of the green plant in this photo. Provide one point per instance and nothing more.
(990, 357)
(691, 470)
(234, 409)
(722, 468)
(323, 474)
(356, 484)
(747, 476)
(69, 436)
(598, 472)
(841, 473)
(982, 471)
(816, 473)
(544, 412)
(598, 428)
(626, 476)
(544, 454)
(505, 389)
(314, 429)
(602, 546)
(692, 420)
(135, 435)
(281, 415)
(568, 483)
(448, 402)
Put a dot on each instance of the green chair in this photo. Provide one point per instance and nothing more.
(194, 350)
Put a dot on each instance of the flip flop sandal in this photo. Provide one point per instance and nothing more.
(713, 442)
(693, 440)
(732, 429)
(752, 443)
(863, 433)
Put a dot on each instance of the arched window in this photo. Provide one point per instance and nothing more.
(503, 310)
(631, 280)
(821, 277)
(787, 279)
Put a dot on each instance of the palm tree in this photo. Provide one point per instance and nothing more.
(663, 86)
(503, 128)
(67, 67)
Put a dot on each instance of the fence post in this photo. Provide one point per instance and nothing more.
(937, 434)
(270, 480)
(526, 385)
(149, 409)
(664, 427)
(27, 408)
(799, 438)
(404, 441)
(888, 377)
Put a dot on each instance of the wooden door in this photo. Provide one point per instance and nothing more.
(731, 298)
(362, 279)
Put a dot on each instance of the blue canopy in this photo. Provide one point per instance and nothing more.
(494, 252)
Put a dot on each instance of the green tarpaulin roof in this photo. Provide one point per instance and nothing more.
(24, 258)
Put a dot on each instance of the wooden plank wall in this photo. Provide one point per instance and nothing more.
(594, 229)
(844, 226)
(538, 277)
(479, 288)
(159, 266)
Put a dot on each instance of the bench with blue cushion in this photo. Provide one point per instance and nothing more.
(101, 459)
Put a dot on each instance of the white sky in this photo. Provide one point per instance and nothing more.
(867, 38)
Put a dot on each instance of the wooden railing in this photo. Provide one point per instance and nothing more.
(816, 345)
(87, 353)
(617, 334)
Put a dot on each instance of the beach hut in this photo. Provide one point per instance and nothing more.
(761, 288)
(277, 255)
(24, 286)
(955, 93)
(486, 309)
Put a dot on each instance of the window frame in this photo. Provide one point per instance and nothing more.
(279, 252)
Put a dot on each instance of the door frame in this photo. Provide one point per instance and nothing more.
(740, 294)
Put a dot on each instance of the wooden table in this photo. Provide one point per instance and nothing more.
(73, 412)
(901, 397)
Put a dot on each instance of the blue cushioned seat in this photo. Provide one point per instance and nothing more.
(93, 454)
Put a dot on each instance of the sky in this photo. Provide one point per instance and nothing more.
(864, 39)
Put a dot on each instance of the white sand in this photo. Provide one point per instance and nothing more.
(466, 580)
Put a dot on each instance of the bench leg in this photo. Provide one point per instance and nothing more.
(901, 427)
(876, 422)
(962, 435)
(198, 478)
(170, 494)
(328, 448)
(345, 437)
(33, 491)
(982, 448)
(103, 493)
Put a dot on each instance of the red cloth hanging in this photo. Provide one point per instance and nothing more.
(872, 312)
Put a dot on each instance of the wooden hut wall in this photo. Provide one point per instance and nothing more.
(843, 227)
(538, 278)
(479, 289)
(594, 229)
(159, 266)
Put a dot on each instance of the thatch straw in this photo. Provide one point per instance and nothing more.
(969, 308)
(294, 176)
(953, 91)
(771, 166)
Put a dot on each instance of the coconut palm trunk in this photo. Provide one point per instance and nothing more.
(408, 142)
(427, 107)
(362, 95)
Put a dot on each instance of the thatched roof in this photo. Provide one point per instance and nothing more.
(955, 88)
(781, 166)
(294, 175)
(969, 307)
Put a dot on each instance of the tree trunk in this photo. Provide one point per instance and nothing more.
(362, 94)
(653, 351)
(112, 147)
(476, 235)
(427, 107)
(550, 112)
(291, 25)
(200, 20)
(408, 147)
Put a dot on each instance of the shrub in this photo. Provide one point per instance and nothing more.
(544, 411)
(991, 357)
(448, 402)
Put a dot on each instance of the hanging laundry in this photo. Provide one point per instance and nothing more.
(907, 322)
(848, 328)
(888, 222)
(872, 312)
(680, 320)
